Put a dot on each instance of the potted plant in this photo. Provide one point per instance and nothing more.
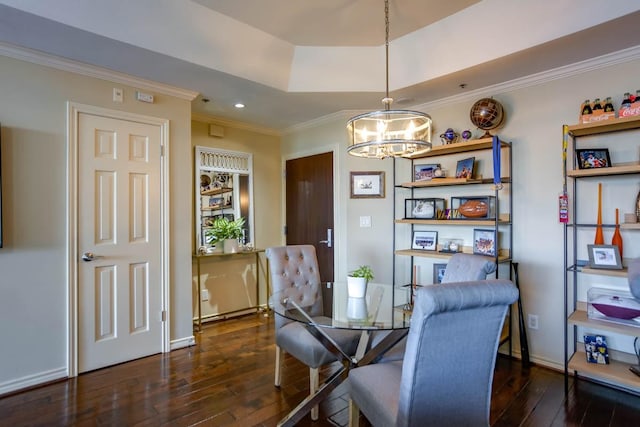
(357, 281)
(227, 232)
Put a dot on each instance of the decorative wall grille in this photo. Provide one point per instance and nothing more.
(224, 161)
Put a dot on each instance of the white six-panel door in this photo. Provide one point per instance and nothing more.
(119, 241)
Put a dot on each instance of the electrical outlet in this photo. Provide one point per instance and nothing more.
(205, 295)
(532, 321)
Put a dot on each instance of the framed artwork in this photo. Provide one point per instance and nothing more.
(367, 185)
(438, 272)
(593, 158)
(425, 240)
(484, 242)
(464, 168)
(604, 256)
(424, 172)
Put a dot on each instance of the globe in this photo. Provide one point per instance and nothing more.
(487, 114)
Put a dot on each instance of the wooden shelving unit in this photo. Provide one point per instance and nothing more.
(576, 314)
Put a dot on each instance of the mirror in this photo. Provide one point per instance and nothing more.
(223, 190)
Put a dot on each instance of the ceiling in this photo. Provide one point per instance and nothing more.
(291, 62)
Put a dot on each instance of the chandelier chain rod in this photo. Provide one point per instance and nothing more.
(386, 45)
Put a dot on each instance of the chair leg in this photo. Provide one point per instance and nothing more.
(314, 380)
(354, 414)
(279, 361)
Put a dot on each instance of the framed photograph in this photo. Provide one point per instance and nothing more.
(464, 168)
(424, 172)
(484, 242)
(367, 185)
(425, 240)
(604, 256)
(595, 348)
(438, 272)
(593, 158)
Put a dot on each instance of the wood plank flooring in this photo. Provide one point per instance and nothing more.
(227, 380)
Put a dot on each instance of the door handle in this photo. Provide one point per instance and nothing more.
(89, 256)
(329, 240)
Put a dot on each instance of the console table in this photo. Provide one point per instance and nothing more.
(218, 256)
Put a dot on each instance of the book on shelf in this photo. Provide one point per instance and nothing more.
(596, 350)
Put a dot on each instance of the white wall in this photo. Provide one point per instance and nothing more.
(33, 272)
(536, 111)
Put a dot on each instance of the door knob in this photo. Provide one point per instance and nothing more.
(89, 256)
(329, 240)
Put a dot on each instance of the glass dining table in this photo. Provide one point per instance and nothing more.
(332, 308)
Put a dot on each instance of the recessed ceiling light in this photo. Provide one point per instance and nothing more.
(239, 105)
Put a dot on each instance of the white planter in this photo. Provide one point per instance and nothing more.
(356, 287)
(357, 309)
(230, 246)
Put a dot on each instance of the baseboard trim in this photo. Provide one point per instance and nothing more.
(33, 380)
(183, 342)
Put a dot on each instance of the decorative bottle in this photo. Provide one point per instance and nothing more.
(586, 108)
(617, 237)
(626, 101)
(596, 104)
(638, 206)
(608, 105)
(599, 240)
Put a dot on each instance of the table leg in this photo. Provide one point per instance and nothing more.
(199, 296)
(312, 400)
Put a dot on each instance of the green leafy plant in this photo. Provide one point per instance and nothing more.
(363, 271)
(223, 229)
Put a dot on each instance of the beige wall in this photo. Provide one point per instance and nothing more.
(536, 111)
(33, 262)
(230, 286)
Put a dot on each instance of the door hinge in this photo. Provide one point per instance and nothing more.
(285, 230)
(164, 315)
(162, 151)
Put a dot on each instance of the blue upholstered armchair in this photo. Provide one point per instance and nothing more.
(446, 375)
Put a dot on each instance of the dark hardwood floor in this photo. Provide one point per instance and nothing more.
(227, 380)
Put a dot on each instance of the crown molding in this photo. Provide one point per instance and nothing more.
(604, 61)
(343, 114)
(41, 58)
(234, 124)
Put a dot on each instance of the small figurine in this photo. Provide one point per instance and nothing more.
(449, 136)
(466, 135)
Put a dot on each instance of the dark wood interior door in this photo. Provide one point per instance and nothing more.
(309, 210)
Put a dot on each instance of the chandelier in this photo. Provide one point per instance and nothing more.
(389, 133)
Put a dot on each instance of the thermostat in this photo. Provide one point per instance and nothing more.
(144, 97)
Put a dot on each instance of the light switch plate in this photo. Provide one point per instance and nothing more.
(365, 221)
(118, 94)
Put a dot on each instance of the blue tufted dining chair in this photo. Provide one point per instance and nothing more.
(464, 267)
(294, 269)
(460, 268)
(446, 374)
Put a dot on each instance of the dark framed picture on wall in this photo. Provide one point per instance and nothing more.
(367, 185)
